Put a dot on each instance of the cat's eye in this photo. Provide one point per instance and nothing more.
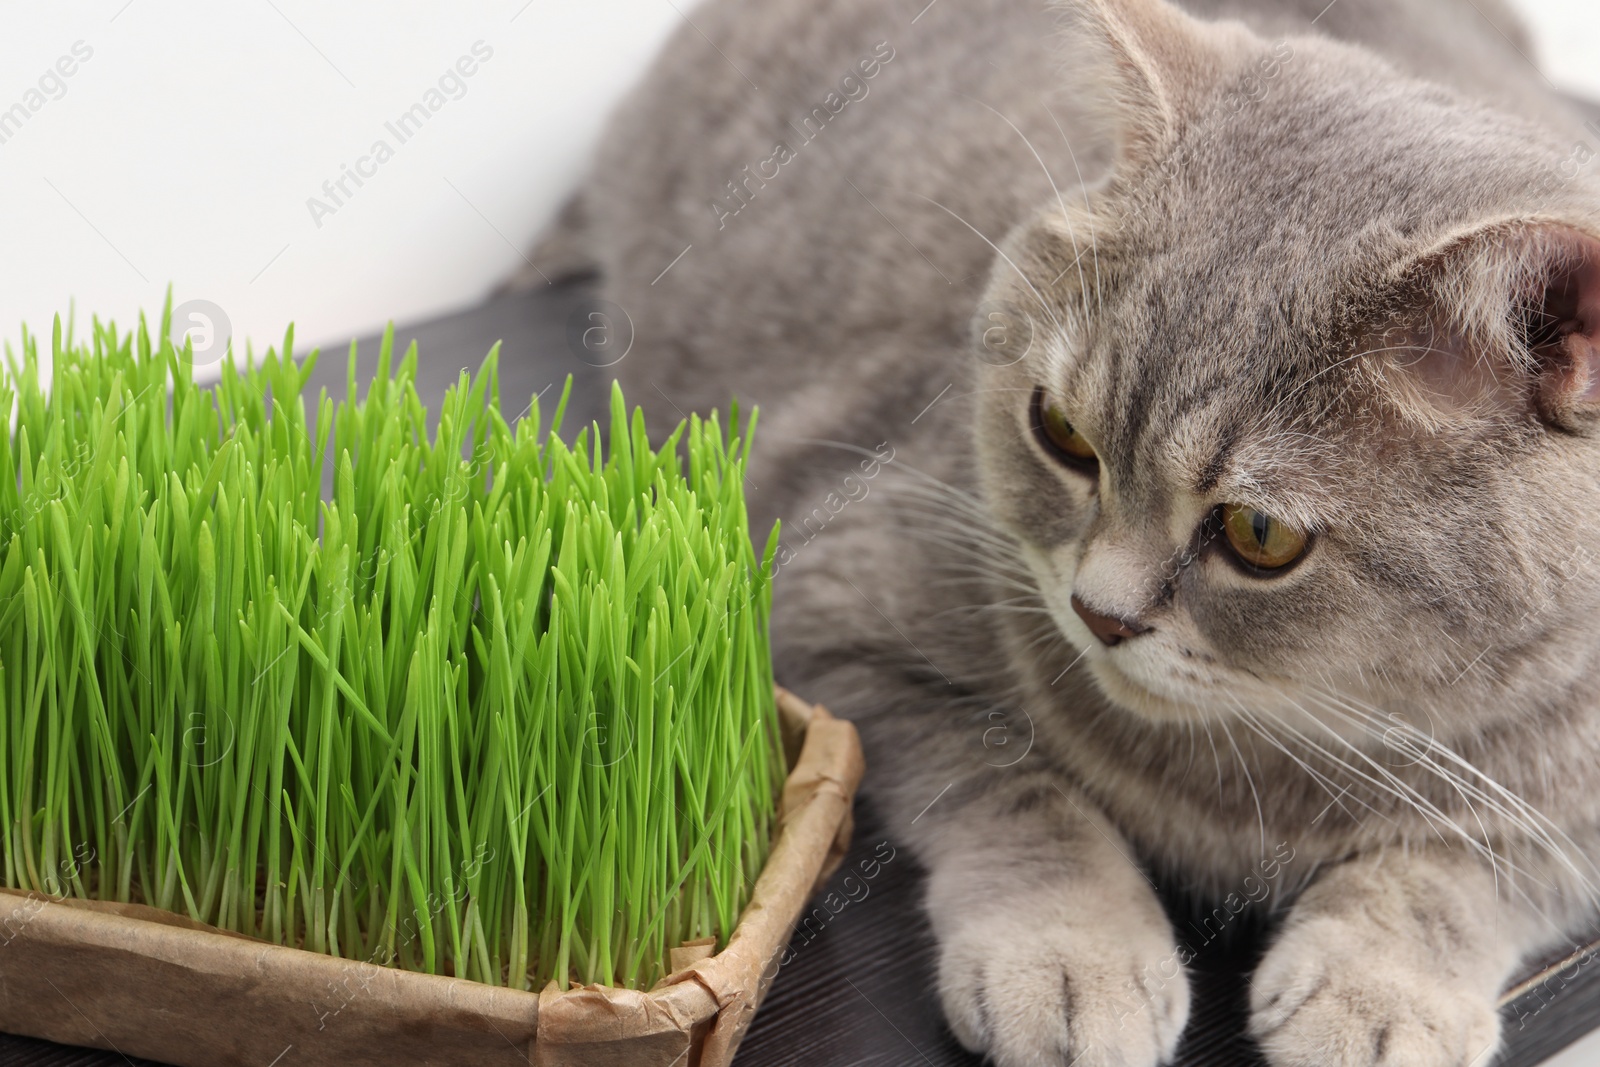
(1260, 540)
(1059, 437)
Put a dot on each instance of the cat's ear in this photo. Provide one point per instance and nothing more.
(1565, 337)
(1515, 325)
(1152, 67)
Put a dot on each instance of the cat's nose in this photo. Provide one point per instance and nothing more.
(1108, 628)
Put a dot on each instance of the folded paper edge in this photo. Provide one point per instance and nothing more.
(134, 953)
(813, 815)
(817, 800)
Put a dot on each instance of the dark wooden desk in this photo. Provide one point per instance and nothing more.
(859, 990)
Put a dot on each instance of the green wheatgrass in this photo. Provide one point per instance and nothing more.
(500, 708)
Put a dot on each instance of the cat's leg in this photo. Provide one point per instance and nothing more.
(1053, 949)
(1393, 960)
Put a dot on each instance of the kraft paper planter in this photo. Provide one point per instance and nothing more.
(150, 983)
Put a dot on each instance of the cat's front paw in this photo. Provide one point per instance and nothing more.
(1329, 995)
(1054, 986)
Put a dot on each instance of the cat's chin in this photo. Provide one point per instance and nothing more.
(1137, 699)
(1128, 693)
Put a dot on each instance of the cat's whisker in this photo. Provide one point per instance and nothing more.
(1378, 786)
(844, 446)
(933, 489)
(1194, 746)
(1050, 635)
(1485, 846)
(1210, 738)
(1250, 780)
(1395, 785)
(980, 609)
(981, 552)
(945, 505)
(1384, 728)
(1075, 660)
(1524, 817)
(964, 574)
(1342, 361)
(938, 504)
(1022, 604)
(1043, 304)
(952, 520)
(975, 574)
(952, 512)
(945, 495)
(1322, 780)
(1385, 783)
(1072, 236)
(1032, 601)
(1094, 243)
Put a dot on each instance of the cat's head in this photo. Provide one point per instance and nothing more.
(1309, 417)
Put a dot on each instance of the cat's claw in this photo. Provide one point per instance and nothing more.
(1030, 992)
(1326, 996)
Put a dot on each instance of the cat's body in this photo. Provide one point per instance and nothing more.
(1265, 193)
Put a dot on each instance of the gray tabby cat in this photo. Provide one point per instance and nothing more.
(1186, 425)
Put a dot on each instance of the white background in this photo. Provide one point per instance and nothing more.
(185, 149)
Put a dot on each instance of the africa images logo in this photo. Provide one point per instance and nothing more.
(51, 85)
(451, 85)
(852, 87)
